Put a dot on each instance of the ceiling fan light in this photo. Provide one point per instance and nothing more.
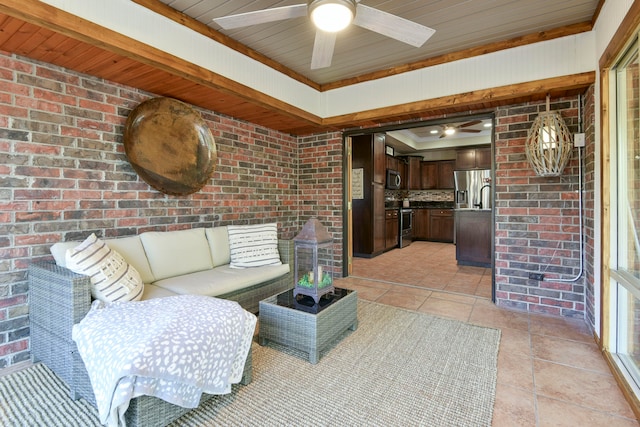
(332, 15)
(449, 130)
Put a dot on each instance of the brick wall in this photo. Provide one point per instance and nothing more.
(321, 189)
(537, 218)
(590, 238)
(64, 175)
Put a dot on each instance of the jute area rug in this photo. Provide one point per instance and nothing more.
(398, 368)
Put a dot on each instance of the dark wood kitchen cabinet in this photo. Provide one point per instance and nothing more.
(420, 224)
(473, 158)
(445, 174)
(441, 225)
(368, 211)
(391, 228)
(483, 158)
(473, 237)
(393, 163)
(433, 224)
(437, 175)
(402, 168)
(428, 175)
(413, 173)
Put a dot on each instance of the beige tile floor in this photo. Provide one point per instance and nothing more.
(550, 371)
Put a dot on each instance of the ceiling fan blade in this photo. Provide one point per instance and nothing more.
(470, 130)
(261, 16)
(471, 123)
(323, 49)
(392, 26)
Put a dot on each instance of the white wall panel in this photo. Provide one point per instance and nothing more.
(611, 15)
(553, 58)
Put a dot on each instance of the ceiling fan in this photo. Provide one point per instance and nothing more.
(448, 130)
(331, 16)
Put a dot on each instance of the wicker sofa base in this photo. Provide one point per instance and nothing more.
(151, 411)
(66, 362)
(59, 298)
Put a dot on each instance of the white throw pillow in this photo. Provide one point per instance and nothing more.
(112, 279)
(253, 245)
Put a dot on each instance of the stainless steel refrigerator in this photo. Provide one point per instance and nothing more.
(473, 189)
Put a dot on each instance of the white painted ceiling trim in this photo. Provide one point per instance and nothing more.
(553, 58)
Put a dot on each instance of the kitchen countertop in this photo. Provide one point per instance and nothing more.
(473, 210)
(421, 205)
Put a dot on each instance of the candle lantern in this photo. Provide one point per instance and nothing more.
(313, 266)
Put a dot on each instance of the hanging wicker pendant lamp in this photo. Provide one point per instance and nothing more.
(548, 146)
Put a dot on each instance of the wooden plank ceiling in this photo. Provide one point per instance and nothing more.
(35, 30)
(458, 24)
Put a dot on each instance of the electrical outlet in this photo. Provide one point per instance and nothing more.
(578, 140)
(536, 276)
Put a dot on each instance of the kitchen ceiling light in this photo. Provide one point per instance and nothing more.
(449, 130)
(332, 15)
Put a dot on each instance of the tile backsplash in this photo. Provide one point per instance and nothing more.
(420, 195)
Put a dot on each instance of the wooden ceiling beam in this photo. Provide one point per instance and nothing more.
(534, 90)
(51, 18)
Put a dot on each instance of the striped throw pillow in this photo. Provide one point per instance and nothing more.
(112, 278)
(253, 245)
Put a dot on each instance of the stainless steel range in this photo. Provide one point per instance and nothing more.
(406, 227)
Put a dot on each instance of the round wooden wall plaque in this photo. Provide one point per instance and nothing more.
(170, 146)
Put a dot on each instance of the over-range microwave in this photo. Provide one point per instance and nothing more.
(393, 179)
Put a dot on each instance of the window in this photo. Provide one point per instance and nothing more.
(625, 257)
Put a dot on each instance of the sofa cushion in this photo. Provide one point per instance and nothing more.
(151, 291)
(129, 247)
(112, 278)
(173, 253)
(221, 280)
(253, 245)
(132, 251)
(218, 239)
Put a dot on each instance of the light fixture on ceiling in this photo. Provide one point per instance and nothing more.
(332, 15)
(449, 130)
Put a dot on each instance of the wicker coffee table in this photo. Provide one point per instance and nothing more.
(302, 324)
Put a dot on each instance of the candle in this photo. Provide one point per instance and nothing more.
(319, 274)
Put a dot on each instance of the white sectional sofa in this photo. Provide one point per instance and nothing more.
(194, 261)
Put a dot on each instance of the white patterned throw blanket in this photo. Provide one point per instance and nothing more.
(174, 348)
